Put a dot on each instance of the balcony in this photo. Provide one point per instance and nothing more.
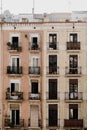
(77, 96)
(34, 96)
(53, 123)
(14, 70)
(12, 47)
(52, 70)
(73, 123)
(14, 96)
(38, 125)
(73, 71)
(73, 46)
(52, 46)
(34, 46)
(53, 96)
(34, 70)
(9, 123)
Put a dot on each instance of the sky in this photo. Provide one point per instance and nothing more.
(43, 6)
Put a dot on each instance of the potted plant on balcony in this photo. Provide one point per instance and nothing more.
(8, 89)
(8, 43)
(15, 93)
(8, 93)
(7, 119)
(7, 116)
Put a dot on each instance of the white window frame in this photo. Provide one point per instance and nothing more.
(15, 81)
(15, 58)
(14, 35)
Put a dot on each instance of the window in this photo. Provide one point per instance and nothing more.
(53, 112)
(52, 64)
(15, 61)
(53, 41)
(73, 111)
(34, 94)
(35, 65)
(52, 88)
(15, 42)
(15, 65)
(73, 37)
(73, 60)
(35, 40)
(34, 44)
(34, 116)
(15, 114)
(53, 60)
(14, 88)
(52, 38)
(73, 64)
(73, 88)
(35, 61)
(34, 87)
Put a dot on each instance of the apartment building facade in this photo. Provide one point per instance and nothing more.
(43, 75)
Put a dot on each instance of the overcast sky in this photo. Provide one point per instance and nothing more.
(43, 6)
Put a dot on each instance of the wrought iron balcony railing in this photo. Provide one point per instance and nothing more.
(14, 69)
(34, 96)
(52, 46)
(73, 46)
(34, 46)
(18, 124)
(52, 70)
(34, 70)
(38, 125)
(53, 122)
(73, 96)
(14, 95)
(53, 96)
(77, 70)
(73, 123)
(12, 46)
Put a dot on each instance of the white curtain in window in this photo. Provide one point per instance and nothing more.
(35, 62)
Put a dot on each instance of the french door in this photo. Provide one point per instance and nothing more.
(15, 117)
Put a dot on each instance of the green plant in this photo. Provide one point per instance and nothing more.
(8, 89)
(8, 43)
(7, 116)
